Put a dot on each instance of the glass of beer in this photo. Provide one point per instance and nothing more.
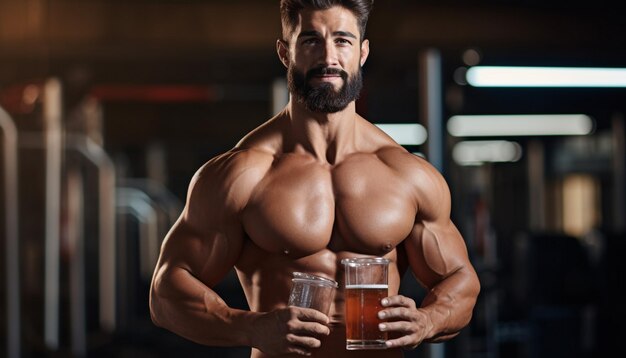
(365, 286)
(311, 291)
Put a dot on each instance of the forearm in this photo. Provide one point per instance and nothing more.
(182, 304)
(449, 305)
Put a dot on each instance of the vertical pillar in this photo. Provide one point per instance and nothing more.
(280, 95)
(10, 151)
(106, 233)
(536, 177)
(90, 146)
(76, 238)
(619, 173)
(431, 105)
(52, 111)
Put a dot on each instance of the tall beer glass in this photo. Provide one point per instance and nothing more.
(365, 286)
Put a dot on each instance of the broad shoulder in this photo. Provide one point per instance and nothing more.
(429, 187)
(230, 166)
(228, 179)
(403, 161)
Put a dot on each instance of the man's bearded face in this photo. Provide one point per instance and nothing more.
(323, 97)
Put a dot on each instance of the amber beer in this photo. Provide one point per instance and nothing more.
(362, 307)
(366, 284)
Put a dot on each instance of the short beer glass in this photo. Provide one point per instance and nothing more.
(365, 286)
(311, 291)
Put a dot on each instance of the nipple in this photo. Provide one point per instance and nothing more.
(387, 247)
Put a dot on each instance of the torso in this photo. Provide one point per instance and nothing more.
(307, 216)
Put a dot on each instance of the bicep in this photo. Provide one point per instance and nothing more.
(435, 251)
(190, 263)
(207, 238)
(206, 254)
(435, 248)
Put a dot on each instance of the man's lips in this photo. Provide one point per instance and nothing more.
(327, 77)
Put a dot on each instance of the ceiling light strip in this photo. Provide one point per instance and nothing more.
(520, 125)
(510, 76)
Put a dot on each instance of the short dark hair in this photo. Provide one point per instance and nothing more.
(290, 9)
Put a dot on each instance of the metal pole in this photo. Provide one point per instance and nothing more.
(536, 205)
(76, 238)
(106, 225)
(280, 95)
(52, 126)
(431, 104)
(12, 241)
(619, 173)
(107, 234)
(137, 203)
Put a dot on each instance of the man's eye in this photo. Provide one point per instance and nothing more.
(343, 41)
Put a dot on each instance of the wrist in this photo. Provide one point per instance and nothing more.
(245, 324)
(432, 326)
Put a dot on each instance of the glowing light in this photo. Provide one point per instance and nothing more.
(405, 133)
(491, 151)
(509, 76)
(520, 125)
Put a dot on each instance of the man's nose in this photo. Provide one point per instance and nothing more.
(329, 54)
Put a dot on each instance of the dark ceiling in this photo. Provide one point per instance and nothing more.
(94, 42)
(161, 30)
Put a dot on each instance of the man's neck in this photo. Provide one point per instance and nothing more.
(327, 136)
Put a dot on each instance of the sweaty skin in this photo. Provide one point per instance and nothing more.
(300, 193)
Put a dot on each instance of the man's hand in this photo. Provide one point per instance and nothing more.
(289, 330)
(405, 321)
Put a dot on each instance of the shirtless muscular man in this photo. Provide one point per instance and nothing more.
(313, 185)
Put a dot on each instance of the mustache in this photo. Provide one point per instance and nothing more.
(320, 71)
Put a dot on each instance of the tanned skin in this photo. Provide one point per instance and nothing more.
(299, 193)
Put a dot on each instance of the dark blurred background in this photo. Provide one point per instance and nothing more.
(109, 107)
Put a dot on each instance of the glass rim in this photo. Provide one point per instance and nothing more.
(355, 261)
(314, 279)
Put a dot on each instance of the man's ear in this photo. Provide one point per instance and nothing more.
(365, 51)
(282, 48)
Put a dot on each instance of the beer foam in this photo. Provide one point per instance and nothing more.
(368, 286)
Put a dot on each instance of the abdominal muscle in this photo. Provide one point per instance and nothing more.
(266, 281)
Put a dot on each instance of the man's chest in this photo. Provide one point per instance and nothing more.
(361, 206)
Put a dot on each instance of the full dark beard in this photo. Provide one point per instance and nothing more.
(323, 98)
